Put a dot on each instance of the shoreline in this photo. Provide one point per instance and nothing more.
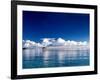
(61, 48)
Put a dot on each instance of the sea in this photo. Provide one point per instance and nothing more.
(42, 58)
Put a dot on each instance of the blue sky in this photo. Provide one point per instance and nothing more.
(69, 26)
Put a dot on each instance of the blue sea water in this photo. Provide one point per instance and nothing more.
(39, 58)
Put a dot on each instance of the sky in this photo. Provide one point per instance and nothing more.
(69, 26)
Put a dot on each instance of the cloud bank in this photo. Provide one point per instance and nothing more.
(52, 42)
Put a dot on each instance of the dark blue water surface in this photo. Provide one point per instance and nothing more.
(40, 58)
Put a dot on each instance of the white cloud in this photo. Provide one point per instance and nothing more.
(39, 45)
(71, 42)
(76, 42)
(28, 44)
(85, 43)
(46, 41)
(55, 42)
(60, 40)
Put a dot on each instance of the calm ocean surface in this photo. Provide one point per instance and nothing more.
(39, 58)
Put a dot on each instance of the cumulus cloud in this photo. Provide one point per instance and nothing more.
(53, 42)
(28, 44)
(46, 41)
(76, 42)
(60, 40)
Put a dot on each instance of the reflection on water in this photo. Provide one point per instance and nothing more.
(39, 58)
